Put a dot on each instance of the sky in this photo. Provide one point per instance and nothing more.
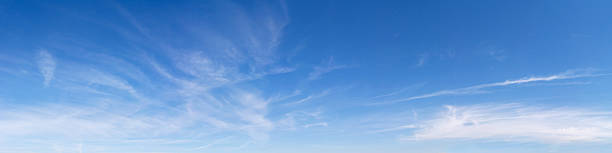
(325, 76)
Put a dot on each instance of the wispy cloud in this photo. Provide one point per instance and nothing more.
(479, 88)
(100, 78)
(326, 67)
(113, 119)
(71, 122)
(411, 87)
(310, 97)
(321, 124)
(215, 142)
(199, 92)
(295, 120)
(497, 54)
(422, 59)
(231, 58)
(515, 122)
(403, 127)
(46, 65)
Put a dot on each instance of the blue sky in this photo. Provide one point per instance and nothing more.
(305, 76)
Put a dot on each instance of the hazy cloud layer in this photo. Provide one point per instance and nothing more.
(515, 122)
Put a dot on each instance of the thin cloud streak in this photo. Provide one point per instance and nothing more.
(403, 127)
(310, 97)
(477, 89)
(412, 87)
(329, 66)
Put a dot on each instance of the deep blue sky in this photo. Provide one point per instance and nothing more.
(305, 76)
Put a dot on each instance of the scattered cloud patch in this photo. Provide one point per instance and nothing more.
(46, 65)
(448, 53)
(515, 122)
(422, 59)
(493, 52)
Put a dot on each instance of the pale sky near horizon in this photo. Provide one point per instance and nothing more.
(305, 76)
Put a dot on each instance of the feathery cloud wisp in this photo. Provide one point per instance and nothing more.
(403, 127)
(46, 65)
(514, 122)
(328, 67)
(310, 97)
(477, 88)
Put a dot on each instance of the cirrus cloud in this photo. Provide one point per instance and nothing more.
(515, 122)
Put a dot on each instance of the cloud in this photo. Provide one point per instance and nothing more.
(310, 97)
(254, 113)
(515, 122)
(245, 114)
(403, 127)
(498, 54)
(215, 142)
(322, 124)
(74, 122)
(204, 68)
(100, 78)
(422, 59)
(477, 89)
(204, 78)
(293, 120)
(94, 83)
(46, 65)
(411, 87)
(327, 67)
(194, 91)
(240, 112)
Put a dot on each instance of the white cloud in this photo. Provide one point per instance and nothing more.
(228, 59)
(322, 124)
(422, 59)
(100, 78)
(514, 122)
(478, 88)
(202, 67)
(110, 119)
(498, 54)
(200, 95)
(253, 112)
(293, 120)
(403, 127)
(73, 122)
(215, 142)
(411, 87)
(46, 65)
(310, 97)
(327, 67)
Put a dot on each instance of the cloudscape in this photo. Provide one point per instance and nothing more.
(290, 76)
